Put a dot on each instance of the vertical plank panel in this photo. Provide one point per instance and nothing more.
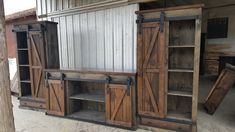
(70, 41)
(48, 6)
(53, 5)
(117, 38)
(44, 7)
(59, 5)
(196, 69)
(77, 41)
(92, 40)
(64, 48)
(100, 35)
(39, 8)
(108, 39)
(59, 39)
(128, 39)
(85, 42)
(65, 4)
(135, 8)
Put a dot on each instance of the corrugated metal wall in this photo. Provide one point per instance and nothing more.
(104, 39)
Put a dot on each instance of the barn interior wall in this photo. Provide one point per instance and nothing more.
(104, 39)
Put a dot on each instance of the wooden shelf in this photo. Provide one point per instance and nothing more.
(181, 70)
(89, 97)
(23, 49)
(25, 81)
(181, 46)
(24, 65)
(179, 93)
(89, 115)
(179, 116)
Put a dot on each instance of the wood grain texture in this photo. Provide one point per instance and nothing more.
(151, 69)
(56, 98)
(223, 84)
(118, 105)
(6, 113)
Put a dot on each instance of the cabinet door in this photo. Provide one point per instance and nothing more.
(55, 99)
(36, 61)
(118, 105)
(151, 70)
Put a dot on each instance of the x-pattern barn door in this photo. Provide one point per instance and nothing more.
(119, 105)
(36, 63)
(151, 72)
(56, 98)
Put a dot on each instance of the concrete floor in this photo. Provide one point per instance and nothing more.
(222, 121)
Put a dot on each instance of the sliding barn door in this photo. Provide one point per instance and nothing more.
(56, 99)
(151, 70)
(118, 105)
(36, 61)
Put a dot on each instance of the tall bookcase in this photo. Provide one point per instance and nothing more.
(168, 66)
(37, 49)
(183, 55)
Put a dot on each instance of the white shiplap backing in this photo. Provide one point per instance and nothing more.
(103, 39)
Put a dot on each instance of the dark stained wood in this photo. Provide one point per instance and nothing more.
(151, 69)
(166, 124)
(56, 98)
(6, 113)
(37, 49)
(223, 84)
(93, 71)
(118, 105)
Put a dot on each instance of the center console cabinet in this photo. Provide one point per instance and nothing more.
(96, 96)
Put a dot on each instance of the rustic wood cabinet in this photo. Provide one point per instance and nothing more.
(56, 98)
(168, 66)
(119, 105)
(37, 49)
(97, 96)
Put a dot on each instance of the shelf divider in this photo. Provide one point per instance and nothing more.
(180, 93)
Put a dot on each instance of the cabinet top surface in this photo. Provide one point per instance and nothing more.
(93, 71)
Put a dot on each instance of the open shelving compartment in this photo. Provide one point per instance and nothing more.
(86, 100)
(23, 65)
(181, 50)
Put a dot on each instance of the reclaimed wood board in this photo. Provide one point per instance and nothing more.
(223, 84)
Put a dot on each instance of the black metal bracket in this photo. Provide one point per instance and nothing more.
(139, 21)
(108, 80)
(62, 76)
(128, 85)
(47, 78)
(162, 19)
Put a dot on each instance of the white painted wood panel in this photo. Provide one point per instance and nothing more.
(100, 36)
(118, 14)
(85, 41)
(64, 43)
(103, 39)
(92, 40)
(70, 41)
(77, 41)
(109, 58)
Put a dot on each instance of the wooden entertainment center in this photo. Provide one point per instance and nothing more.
(162, 92)
(97, 96)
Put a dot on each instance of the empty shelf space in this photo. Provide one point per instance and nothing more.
(180, 70)
(179, 116)
(89, 97)
(96, 116)
(181, 46)
(180, 93)
(25, 81)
